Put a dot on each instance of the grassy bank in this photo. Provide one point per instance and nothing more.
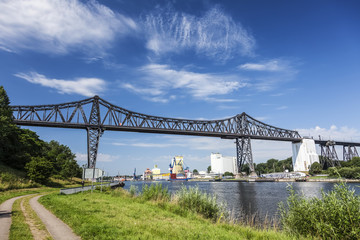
(20, 192)
(118, 215)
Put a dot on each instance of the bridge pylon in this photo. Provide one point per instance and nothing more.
(244, 154)
(349, 152)
(94, 133)
(329, 155)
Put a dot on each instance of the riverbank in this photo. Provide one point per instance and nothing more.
(116, 215)
(331, 180)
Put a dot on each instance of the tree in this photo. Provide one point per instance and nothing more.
(228, 174)
(195, 172)
(8, 136)
(39, 169)
(70, 169)
(17, 145)
(208, 169)
(315, 168)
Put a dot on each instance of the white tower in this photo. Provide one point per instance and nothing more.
(304, 154)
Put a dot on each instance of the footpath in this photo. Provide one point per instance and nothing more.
(57, 229)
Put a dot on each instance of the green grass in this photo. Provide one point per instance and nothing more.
(20, 192)
(118, 215)
(19, 229)
(13, 179)
(321, 177)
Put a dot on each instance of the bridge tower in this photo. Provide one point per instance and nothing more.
(94, 132)
(349, 152)
(329, 155)
(244, 154)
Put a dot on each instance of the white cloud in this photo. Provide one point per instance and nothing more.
(101, 157)
(274, 65)
(333, 133)
(267, 75)
(83, 86)
(159, 80)
(215, 34)
(60, 26)
(282, 108)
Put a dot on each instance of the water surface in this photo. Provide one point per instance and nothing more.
(260, 198)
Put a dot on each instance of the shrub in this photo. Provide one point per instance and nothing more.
(315, 168)
(155, 192)
(346, 172)
(39, 169)
(335, 216)
(133, 190)
(194, 200)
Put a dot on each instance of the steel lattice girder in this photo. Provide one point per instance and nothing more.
(244, 153)
(77, 115)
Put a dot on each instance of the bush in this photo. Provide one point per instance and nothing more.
(194, 200)
(155, 192)
(346, 172)
(39, 169)
(335, 216)
(315, 168)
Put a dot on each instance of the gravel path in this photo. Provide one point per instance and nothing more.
(5, 217)
(57, 228)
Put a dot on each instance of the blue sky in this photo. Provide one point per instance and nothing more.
(291, 64)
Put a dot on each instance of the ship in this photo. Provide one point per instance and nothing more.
(177, 170)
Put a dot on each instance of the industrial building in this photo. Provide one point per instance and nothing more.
(221, 164)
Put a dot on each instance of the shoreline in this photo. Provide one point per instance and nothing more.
(273, 180)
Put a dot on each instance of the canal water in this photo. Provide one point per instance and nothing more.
(258, 199)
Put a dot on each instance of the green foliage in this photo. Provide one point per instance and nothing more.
(228, 174)
(345, 172)
(194, 200)
(155, 192)
(334, 216)
(315, 168)
(208, 169)
(274, 165)
(39, 169)
(195, 172)
(133, 190)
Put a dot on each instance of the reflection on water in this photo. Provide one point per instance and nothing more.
(261, 198)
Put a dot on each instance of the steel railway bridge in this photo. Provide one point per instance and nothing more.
(96, 115)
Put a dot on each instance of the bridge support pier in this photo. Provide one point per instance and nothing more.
(244, 154)
(329, 155)
(93, 139)
(349, 152)
(94, 133)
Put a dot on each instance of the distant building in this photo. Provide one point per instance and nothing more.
(147, 174)
(221, 164)
(304, 154)
(155, 170)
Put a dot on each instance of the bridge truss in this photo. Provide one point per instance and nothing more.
(97, 115)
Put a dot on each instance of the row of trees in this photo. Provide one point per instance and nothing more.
(23, 149)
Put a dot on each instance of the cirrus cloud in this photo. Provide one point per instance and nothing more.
(214, 34)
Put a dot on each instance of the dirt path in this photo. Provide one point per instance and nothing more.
(39, 233)
(5, 217)
(57, 228)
